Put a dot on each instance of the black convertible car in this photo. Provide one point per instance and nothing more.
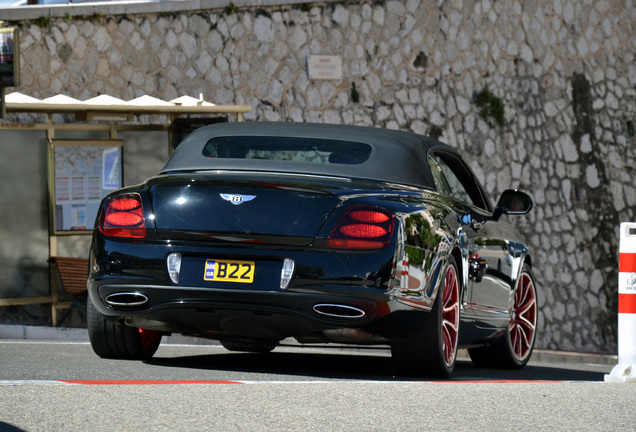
(257, 232)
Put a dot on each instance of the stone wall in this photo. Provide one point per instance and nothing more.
(538, 94)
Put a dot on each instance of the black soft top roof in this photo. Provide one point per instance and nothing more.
(396, 156)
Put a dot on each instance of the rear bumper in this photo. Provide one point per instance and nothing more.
(350, 281)
(218, 313)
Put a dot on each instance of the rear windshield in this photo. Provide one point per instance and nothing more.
(288, 149)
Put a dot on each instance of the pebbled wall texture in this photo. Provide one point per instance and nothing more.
(538, 94)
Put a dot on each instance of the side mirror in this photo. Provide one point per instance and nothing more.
(513, 202)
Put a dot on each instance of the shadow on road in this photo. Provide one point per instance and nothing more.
(358, 367)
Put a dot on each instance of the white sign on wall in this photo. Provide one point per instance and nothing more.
(324, 67)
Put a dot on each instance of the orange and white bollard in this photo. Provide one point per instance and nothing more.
(404, 276)
(625, 370)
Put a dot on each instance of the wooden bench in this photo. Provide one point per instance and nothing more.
(73, 274)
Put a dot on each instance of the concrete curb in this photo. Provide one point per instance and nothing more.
(36, 333)
(61, 334)
(565, 358)
(132, 7)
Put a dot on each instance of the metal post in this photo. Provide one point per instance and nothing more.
(3, 107)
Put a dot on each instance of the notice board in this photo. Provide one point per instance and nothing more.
(9, 58)
(83, 172)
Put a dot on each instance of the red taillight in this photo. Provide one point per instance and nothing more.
(369, 216)
(123, 216)
(362, 227)
(126, 203)
(365, 231)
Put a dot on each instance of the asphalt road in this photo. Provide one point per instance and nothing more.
(293, 389)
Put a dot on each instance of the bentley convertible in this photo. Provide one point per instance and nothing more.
(257, 232)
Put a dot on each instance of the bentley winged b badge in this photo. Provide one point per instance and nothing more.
(237, 199)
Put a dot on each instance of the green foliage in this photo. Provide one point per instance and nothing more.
(42, 21)
(97, 16)
(490, 106)
(423, 242)
(231, 9)
(416, 255)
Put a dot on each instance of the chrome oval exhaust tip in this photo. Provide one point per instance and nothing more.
(129, 299)
(339, 311)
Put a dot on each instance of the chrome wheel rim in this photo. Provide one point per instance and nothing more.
(523, 323)
(450, 316)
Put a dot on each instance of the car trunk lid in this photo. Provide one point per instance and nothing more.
(242, 209)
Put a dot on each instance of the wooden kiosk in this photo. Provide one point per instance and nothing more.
(111, 117)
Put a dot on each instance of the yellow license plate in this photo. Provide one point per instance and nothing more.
(229, 271)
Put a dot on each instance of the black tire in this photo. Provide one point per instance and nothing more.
(257, 346)
(431, 350)
(110, 339)
(514, 349)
